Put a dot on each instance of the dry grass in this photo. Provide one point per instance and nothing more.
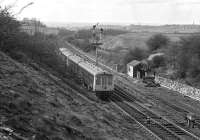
(132, 40)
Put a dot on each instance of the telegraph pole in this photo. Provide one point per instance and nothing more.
(96, 39)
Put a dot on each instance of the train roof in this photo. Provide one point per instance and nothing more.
(66, 52)
(75, 58)
(90, 67)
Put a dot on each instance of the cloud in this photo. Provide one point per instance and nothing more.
(169, 2)
(131, 11)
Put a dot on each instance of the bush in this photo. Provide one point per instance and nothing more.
(9, 30)
(40, 48)
(135, 54)
(185, 57)
(188, 58)
(157, 41)
(158, 61)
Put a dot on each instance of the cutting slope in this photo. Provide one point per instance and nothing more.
(35, 106)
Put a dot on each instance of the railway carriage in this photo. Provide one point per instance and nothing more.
(92, 76)
(72, 63)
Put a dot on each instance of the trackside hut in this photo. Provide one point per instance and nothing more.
(137, 69)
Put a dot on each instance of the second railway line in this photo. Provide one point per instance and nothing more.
(171, 130)
(152, 121)
(175, 112)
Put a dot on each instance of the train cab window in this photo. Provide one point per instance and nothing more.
(98, 80)
(104, 80)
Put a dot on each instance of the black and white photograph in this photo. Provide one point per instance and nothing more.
(99, 70)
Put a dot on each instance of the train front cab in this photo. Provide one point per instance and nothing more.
(104, 85)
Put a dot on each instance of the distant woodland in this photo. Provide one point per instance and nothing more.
(39, 48)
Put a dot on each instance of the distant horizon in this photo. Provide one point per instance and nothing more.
(82, 24)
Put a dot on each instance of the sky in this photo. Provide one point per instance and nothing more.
(110, 11)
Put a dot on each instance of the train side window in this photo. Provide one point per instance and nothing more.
(98, 80)
(110, 80)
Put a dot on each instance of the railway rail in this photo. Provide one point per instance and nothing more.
(181, 110)
(173, 106)
(158, 125)
(155, 128)
(174, 130)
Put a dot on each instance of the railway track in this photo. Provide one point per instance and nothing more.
(182, 111)
(161, 127)
(177, 130)
(173, 106)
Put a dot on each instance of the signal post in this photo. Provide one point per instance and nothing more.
(96, 39)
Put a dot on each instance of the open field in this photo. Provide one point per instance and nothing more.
(187, 28)
(135, 39)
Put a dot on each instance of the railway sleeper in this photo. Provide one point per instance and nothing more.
(180, 133)
(140, 118)
(176, 130)
(171, 127)
(153, 124)
(155, 117)
(169, 133)
(181, 124)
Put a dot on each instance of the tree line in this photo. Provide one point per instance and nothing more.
(23, 47)
(181, 57)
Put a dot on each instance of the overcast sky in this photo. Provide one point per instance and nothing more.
(111, 11)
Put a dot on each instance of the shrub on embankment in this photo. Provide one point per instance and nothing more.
(39, 48)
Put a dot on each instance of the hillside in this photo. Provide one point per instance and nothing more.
(120, 45)
(187, 28)
(35, 104)
(135, 39)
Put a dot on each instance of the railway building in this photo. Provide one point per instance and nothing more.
(137, 69)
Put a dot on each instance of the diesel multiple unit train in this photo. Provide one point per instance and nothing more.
(92, 76)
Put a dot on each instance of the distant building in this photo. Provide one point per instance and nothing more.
(32, 26)
(137, 69)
